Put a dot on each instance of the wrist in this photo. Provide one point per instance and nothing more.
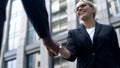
(64, 52)
(60, 47)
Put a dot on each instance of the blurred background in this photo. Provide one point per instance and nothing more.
(22, 48)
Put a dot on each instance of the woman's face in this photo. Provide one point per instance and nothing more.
(84, 11)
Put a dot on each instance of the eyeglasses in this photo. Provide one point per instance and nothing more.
(81, 6)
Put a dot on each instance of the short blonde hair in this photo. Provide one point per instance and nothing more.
(90, 4)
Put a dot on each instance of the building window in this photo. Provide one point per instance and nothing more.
(60, 62)
(32, 35)
(59, 25)
(87, 0)
(59, 16)
(33, 60)
(114, 7)
(11, 64)
(14, 33)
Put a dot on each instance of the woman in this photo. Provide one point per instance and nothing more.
(94, 45)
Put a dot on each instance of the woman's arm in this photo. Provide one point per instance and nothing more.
(64, 52)
(115, 45)
(69, 52)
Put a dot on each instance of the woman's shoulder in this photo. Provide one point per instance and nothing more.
(106, 26)
(72, 30)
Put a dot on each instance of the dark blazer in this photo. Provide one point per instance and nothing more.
(102, 53)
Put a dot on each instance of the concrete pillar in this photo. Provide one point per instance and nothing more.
(102, 11)
(5, 34)
(20, 60)
(44, 63)
(72, 23)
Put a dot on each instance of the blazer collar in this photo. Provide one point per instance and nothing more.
(97, 30)
(84, 32)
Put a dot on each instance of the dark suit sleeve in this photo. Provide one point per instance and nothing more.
(115, 45)
(3, 4)
(71, 46)
(37, 14)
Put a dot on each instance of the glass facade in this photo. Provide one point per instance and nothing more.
(114, 7)
(59, 24)
(16, 16)
(59, 16)
(33, 60)
(32, 35)
(60, 62)
(88, 0)
(11, 64)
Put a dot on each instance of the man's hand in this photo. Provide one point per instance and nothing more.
(52, 46)
(51, 52)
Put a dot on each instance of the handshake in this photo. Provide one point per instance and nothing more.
(54, 48)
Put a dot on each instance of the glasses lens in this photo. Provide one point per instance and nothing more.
(81, 6)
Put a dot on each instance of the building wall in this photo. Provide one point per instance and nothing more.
(30, 51)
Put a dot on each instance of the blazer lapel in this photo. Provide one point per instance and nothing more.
(97, 29)
(84, 32)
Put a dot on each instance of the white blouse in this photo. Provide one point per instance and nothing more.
(91, 32)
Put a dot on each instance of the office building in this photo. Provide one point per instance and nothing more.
(22, 48)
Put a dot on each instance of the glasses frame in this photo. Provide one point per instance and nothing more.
(80, 6)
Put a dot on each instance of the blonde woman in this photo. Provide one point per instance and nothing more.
(94, 45)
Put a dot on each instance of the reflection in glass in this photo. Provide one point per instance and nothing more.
(11, 64)
(114, 7)
(32, 35)
(33, 60)
(60, 62)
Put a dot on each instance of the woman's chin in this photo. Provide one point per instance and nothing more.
(83, 18)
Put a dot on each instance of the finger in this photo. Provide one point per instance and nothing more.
(51, 52)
